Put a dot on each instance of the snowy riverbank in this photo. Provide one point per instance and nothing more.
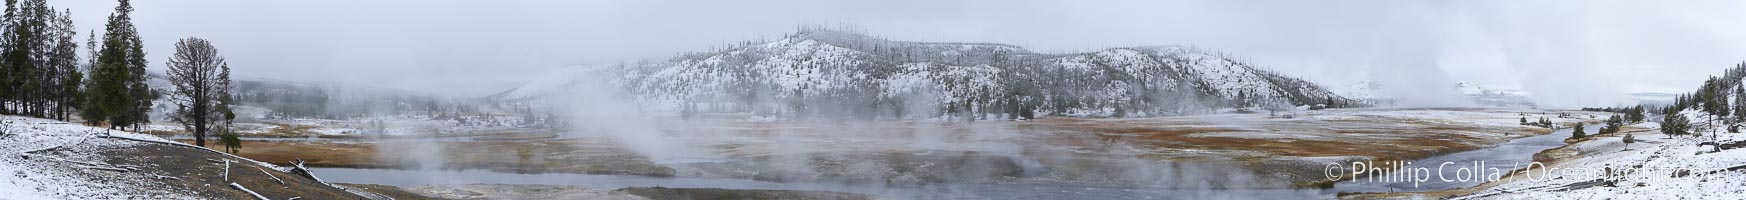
(47, 159)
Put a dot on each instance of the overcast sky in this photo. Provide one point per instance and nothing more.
(1566, 52)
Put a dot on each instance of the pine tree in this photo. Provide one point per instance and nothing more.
(1719, 101)
(65, 59)
(1578, 133)
(9, 84)
(1739, 103)
(1635, 115)
(1614, 124)
(87, 109)
(229, 138)
(1674, 123)
(117, 91)
(33, 64)
(23, 80)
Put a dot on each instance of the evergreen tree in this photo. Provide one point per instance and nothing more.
(65, 59)
(1739, 103)
(35, 66)
(1674, 123)
(1635, 114)
(16, 75)
(9, 84)
(86, 111)
(23, 80)
(1578, 133)
(229, 138)
(1716, 98)
(1719, 99)
(1614, 123)
(117, 91)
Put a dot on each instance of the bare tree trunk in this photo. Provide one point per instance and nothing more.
(201, 75)
(199, 132)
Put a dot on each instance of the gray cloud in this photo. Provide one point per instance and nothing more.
(1566, 52)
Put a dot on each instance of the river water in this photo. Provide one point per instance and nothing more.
(1460, 169)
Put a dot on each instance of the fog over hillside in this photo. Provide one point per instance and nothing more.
(825, 72)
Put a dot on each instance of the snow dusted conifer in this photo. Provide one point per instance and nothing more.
(117, 92)
(1635, 114)
(1674, 123)
(1578, 133)
(1739, 103)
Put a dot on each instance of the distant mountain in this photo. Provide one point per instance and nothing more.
(1653, 99)
(816, 73)
(1369, 92)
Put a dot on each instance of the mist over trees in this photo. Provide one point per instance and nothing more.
(285, 99)
(202, 80)
(824, 73)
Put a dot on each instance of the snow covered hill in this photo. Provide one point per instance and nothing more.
(820, 73)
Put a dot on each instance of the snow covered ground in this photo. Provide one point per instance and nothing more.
(1655, 166)
(28, 178)
(47, 159)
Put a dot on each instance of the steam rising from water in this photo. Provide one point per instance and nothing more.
(924, 158)
(600, 109)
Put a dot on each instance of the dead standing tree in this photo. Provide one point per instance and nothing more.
(202, 80)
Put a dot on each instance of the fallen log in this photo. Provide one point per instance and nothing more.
(270, 175)
(298, 169)
(226, 170)
(162, 177)
(104, 168)
(44, 149)
(251, 192)
(51, 148)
